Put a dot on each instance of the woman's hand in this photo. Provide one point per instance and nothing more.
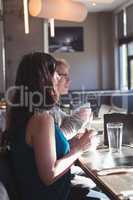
(85, 114)
(86, 141)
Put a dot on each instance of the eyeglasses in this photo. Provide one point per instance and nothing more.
(65, 76)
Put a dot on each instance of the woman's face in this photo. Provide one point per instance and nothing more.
(64, 81)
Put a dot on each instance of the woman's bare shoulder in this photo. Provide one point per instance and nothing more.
(41, 118)
(39, 122)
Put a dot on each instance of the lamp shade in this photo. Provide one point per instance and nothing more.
(101, 1)
(58, 9)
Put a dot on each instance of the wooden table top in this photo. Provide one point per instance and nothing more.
(114, 185)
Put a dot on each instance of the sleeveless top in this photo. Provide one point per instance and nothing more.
(29, 184)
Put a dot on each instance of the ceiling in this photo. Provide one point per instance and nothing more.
(100, 7)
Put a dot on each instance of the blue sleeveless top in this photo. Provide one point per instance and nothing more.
(29, 184)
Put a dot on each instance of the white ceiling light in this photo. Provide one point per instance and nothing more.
(52, 30)
(26, 16)
(94, 4)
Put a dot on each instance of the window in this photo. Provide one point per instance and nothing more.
(130, 49)
(130, 65)
(123, 67)
(125, 47)
(129, 13)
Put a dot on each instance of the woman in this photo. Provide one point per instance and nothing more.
(40, 154)
(70, 124)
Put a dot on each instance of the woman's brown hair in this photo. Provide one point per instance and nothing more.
(34, 75)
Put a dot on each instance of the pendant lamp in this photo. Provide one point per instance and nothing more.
(101, 1)
(26, 16)
(66, 10)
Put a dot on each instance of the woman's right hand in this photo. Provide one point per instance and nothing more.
(86, 140)
(85, 115)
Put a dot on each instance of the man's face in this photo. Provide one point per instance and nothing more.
(64, 82)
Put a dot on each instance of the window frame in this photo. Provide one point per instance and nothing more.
(125, 40)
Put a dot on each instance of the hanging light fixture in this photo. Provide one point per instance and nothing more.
(66, 10)
(26, 16)
(101, 1)
(94, 4)
(52, 30)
